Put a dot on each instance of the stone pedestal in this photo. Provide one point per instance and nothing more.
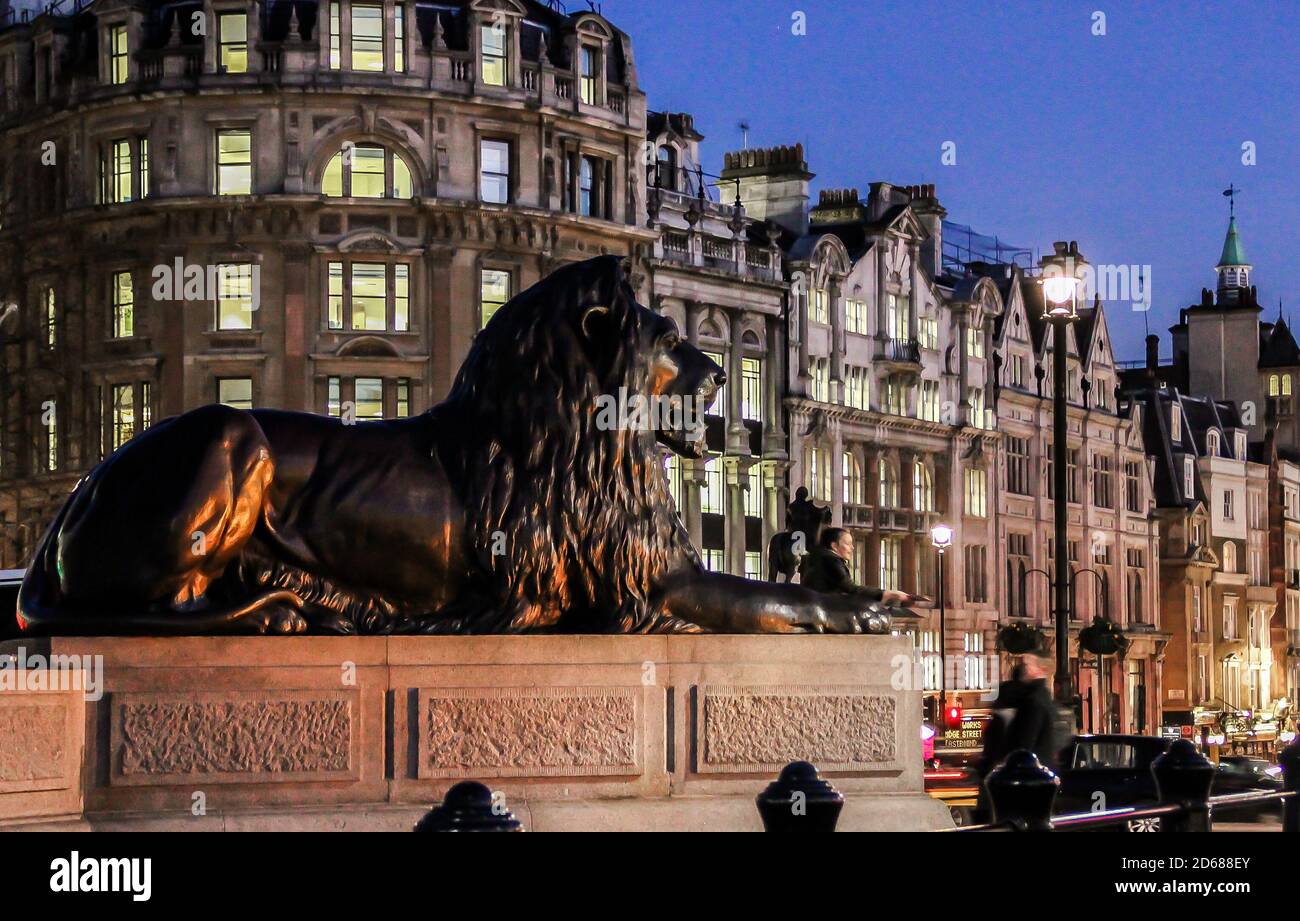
(579, 733)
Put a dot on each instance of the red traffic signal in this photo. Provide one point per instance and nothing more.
(952, 716)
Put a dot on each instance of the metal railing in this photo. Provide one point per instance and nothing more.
(1022, 794)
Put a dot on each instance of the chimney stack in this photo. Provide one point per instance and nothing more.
(773, 184)
(1153, 352)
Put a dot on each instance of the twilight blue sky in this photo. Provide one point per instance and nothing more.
(1123, 142)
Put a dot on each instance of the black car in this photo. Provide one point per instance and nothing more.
(1108, 772)
(1243, 774)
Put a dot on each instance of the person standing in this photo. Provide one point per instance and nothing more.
(1036, 726)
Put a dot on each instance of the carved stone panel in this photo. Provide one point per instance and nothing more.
(34, 737)
(761, 729)
(530, 732)
(234, 737)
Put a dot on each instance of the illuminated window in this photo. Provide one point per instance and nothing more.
(587, 186)
(123, 414)
(719, 405)
(333, 397)
(399, 38)
(494, 172)
(712, 497)
(234, 162)
(821, 374)
(143, 144)
(122, 296)
(590, 75)
(922, 487)
(118, 54)
(817, 463)
(233, 48)
(891, 554)
(852, 480)
(115, 173)
(751, 394)
(888, 485)
(369, 296)
(494, 292)
(336, 32)
(367, 37)
(752, 495)
(235, 296)
(366, 295)
(673, 471)
(366, 171)
(370, 399)
(236, 392)
(976, 481)
(493, 67)
(403, 397)
(754, 566)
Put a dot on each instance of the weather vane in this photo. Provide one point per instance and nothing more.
(1231, 193)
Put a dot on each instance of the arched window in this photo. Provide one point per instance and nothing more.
(888, 485)
(922, 488)
(1286, 385)
(1273, 388)
(852, 480)
(1229, 556)
(1212, 444)
(366, 171)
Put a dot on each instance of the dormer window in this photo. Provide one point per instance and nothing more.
(1241, 445)
(233, 47)
(118, 54)
(591, 75)
(1189, 478)
(1212, 444)
(1175, 423)
(493, 58)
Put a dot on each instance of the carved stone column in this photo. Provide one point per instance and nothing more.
(837, 341)
(737, 434)
(963, 401)
(774, 437)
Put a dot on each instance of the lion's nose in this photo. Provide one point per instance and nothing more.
(720, 378)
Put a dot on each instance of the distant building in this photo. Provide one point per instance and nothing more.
(1221, 429)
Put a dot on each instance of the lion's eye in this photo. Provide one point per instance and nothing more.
(670, 341)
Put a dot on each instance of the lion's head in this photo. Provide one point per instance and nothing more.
(566, 394)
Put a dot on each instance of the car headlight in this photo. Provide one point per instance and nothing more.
(1273, 771)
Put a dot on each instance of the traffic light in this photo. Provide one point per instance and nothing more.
(952, 716)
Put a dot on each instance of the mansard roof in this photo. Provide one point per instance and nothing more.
(1277, 346)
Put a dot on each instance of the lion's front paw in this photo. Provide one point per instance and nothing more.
(834, 617)
(274, 619)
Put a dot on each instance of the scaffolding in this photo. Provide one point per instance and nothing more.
(962, 246)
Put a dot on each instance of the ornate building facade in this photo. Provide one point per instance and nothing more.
(889, 383)
(718, 273)
(1112, 536)
(286, 203)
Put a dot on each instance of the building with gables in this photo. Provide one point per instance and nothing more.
(1112, 535)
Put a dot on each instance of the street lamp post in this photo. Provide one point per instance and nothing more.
(941, 538)
(1060, 307)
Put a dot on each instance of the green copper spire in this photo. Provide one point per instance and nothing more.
(1233, 254)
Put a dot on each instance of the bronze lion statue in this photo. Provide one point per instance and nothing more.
(507, 508)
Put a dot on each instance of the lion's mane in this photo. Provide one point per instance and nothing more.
(573, 524)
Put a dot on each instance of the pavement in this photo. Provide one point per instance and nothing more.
(1263, 823)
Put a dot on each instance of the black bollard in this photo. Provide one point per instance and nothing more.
(799, 800)
(1023, 792)
(1184, 776)
(468, 807)
(1290, 761)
